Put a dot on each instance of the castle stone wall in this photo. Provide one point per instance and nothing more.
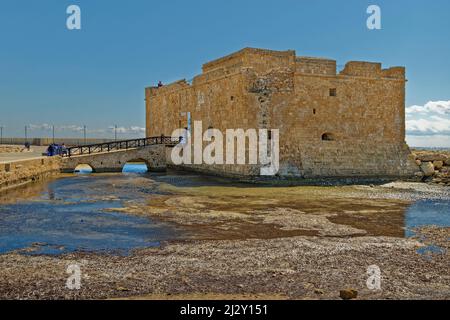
(360, 111)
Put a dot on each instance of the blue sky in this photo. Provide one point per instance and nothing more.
(96, 76)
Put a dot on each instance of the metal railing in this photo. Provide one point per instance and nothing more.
(119, 145)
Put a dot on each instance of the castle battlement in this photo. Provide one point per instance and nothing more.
(265, 61)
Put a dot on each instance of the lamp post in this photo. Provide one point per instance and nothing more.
(84, 131)
(26, 133)
(53, 133)
(1, 134)
(115, 132)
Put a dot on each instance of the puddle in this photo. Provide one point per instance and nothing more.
(425, 213)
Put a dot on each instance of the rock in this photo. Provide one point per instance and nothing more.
(447, 162)
(419, 174)
(426, 278)
(430, 157)
(318, 291)
(418, 162)
(427, 169)
(438, 165)
(348, 294)
(122, 289)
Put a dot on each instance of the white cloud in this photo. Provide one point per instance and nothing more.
(130, 130)
(43, 126)
(80, 129)
(72, 128)
(438, 107)
(431, 119)
(434, 125)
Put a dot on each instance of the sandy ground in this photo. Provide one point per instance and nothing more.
(256, 243)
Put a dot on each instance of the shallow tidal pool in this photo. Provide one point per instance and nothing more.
(116, 213)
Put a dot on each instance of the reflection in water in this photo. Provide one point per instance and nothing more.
(68, 216)
(83, 169)
(74, 213)
(135, 167)
(427, 212)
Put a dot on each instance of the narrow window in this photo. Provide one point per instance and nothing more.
(314, 111)
(327, 137)
(333, 92)
(232, 98)
(269, 134)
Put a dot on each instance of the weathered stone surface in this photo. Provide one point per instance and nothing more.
(19, 172)
(427, 169)
(361, 108)
(419, 174)
(438, 165)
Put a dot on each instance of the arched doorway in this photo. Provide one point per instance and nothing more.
(135, 166)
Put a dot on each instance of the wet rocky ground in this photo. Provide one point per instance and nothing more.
(240, 241)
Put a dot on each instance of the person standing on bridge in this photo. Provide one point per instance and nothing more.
(160, 84)
(50, 150)
(63, 150)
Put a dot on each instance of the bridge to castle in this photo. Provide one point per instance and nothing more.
(112, 156)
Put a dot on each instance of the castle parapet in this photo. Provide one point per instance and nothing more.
(259, 59)
(395, 72)
(362, 69)
(372, 70)
(177, 85)
(317, 66)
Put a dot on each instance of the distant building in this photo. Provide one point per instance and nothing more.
(345, 124)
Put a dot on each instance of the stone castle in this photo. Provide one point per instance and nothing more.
(346, 124)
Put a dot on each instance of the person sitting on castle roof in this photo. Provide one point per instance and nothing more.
(160, 84)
